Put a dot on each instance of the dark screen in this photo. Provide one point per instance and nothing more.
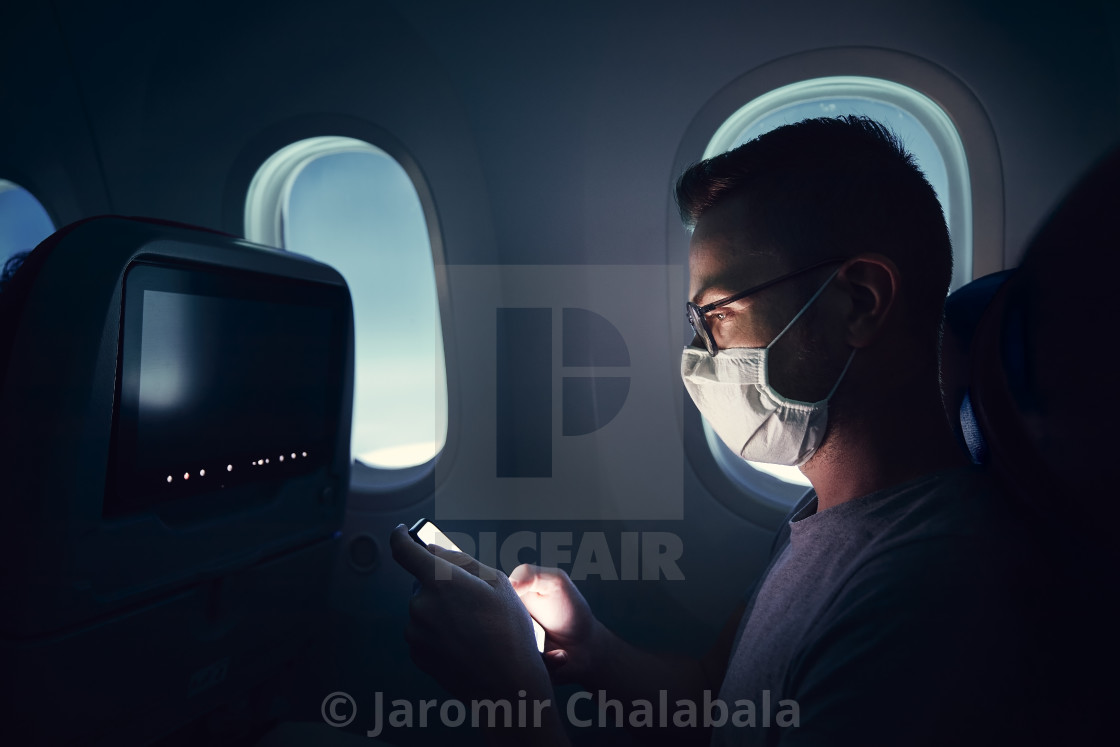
(227, 380)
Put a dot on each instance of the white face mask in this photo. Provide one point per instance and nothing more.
(732, 390)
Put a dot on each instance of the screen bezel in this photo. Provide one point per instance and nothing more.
(124, 496)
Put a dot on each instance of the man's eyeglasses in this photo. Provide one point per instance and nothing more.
(697, 314)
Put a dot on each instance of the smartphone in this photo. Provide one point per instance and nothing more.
(427, 533)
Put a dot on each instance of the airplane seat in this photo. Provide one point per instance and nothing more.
(174, 455)
(963, 310)
(1042, 391)
(1042, 360)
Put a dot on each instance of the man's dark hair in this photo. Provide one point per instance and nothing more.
(833, 187)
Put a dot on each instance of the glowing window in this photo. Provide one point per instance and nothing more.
(925, 130)
(353, 206)
(23, 221)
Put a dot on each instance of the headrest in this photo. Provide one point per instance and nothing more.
(1043, 375)
(963, 311)
(19, 285)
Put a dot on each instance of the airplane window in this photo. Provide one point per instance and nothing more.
(353, 206)
(23, 221)
(925, 130)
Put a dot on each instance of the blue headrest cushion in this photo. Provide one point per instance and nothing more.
(963, 310)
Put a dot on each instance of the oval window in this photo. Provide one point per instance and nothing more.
(23, 221)
(925, 130)
(353, 206)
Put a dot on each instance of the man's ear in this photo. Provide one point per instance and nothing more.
(872, 282)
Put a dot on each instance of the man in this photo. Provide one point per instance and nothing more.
(891, 611)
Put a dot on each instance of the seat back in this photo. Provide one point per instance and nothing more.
(1042, 366)
(1041, 392)
(163, 553)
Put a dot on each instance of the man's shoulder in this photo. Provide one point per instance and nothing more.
(956, 507)
(942, 604)
(938, 599)
(961, 523)
(949, 551)
(957, 513)
(958, 500)
(958, 534)
(956, 561)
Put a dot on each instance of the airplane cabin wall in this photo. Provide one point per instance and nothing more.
(545, 132)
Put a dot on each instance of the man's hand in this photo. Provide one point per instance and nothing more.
(467, 627)
(573, 632)
(581, 649)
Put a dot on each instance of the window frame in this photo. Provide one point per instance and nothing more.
(268, 169)
(922, 108)
(955, 120)
(7, 185)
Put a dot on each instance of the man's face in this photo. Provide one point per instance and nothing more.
(721, 263)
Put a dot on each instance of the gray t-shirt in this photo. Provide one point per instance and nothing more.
(896, 618)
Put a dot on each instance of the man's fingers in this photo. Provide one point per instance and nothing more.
(555, 659)
(527, 578)
(417, 559)
(466, 562)
(434, 563)
(556, 662)
(523, 576)
(461, 559)
(411, 556)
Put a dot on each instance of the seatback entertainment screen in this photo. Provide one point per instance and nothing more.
(229, 382)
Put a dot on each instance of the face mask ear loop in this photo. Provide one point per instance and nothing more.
(803, 308)
(837, 384)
